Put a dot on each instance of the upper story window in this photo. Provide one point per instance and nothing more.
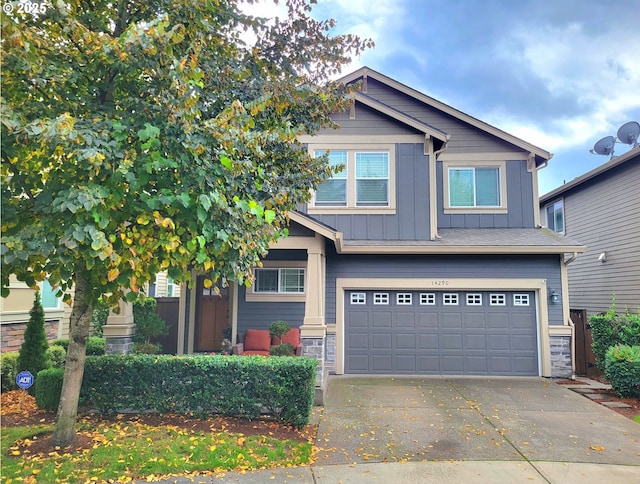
(555, 216)
(365, 184)
(333, 192)
(474, 186)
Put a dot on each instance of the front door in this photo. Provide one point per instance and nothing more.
(212, 317)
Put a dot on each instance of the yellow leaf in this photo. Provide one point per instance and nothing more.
(212, 448)
(112, 274)
(596, 447)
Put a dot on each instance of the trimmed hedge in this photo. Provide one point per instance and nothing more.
(8, 370)
(610, 329)
(201, 385)
(96, 346)
(622, 370)
(49, 388)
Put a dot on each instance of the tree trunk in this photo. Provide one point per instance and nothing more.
(80, 327)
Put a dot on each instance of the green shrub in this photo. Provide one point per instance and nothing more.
(32, 355)
(96, 346)
(148, 323)
(147, 348)
(622, 370)
(56, 356)
(243, 386)
(278, 329)
(64, 342)
(284, 349)
(48, 388)
(8, 370)
(99, 318)
(610, 329)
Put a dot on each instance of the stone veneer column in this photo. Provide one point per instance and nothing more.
(119, 330)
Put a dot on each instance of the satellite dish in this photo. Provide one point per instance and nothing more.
(604, 146)
(628, 133)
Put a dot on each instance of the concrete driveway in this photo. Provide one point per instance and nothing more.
(403, 419)
(456, 429)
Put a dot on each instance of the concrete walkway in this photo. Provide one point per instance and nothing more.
(457, 429)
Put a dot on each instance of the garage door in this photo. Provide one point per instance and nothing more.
(414, 332)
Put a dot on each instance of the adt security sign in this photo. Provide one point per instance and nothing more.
(24, 379)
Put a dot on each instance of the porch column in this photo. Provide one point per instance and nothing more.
(120, 329)
(313, 325)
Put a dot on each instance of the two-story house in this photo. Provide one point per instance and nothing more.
(601, 209)
(423, 256)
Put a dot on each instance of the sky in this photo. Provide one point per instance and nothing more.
(559, 74)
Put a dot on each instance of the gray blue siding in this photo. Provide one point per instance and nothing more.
(454, 266)
(411, 220)
(259, 315)
(520, 207)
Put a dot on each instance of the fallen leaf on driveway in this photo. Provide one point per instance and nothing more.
(596, 447)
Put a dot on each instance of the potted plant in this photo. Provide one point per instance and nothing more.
(277, 330)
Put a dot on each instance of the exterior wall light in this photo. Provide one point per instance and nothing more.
(554, 296)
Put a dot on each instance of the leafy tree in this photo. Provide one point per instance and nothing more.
(33, 352)
(148, 136)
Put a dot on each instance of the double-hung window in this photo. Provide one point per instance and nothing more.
(365, 181)
(555, 216)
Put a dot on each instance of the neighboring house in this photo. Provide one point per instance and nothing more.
(601, 209)
(163, 286)
(424, 256)
(14, 314)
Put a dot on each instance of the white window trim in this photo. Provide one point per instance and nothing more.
(497, 299)
(474, 299)
(358, 298)
(252, 296)
(519, 299)
(427, 299)
(502, 174)
(352, 207)
(453, 296)
(381, 298)
(404, 299)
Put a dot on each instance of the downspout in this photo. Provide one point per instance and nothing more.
(571, 325)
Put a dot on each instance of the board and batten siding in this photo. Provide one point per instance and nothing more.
(520, 207)
(442, 267)
(411, 218)
(604, 215)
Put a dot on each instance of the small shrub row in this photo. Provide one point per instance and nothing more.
(202, 385)
(96, 346)
(622, 370)
(55, 358)
(8, 370)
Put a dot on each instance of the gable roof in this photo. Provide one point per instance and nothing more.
(631, 155)
(541, 156)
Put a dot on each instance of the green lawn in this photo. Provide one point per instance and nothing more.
(125, 452)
